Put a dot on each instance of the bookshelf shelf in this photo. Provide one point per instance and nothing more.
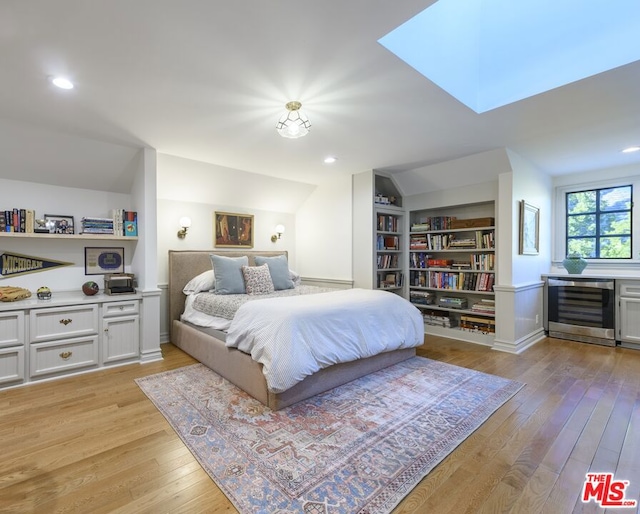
(104, 237)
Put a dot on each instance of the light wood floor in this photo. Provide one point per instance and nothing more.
(94, 443)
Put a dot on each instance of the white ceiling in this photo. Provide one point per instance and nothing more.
(208, 79)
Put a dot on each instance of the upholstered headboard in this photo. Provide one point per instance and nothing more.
(186, 264)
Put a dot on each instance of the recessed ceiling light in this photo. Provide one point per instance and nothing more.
(631, 149)
(62, 83)
(330, 160)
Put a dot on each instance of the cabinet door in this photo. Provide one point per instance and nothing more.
(630, 320)
(12, 365)
(120, 338)
(11, 328)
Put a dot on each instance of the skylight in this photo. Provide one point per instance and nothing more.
(490, 53)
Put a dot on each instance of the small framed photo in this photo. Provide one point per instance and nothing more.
(98, 261)
(233, 230)
(529, 229)
(59, 224)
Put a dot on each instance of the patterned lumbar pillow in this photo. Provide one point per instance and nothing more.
(257, 279)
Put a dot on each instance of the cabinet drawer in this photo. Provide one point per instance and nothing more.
(57, 356)
(11, 328)
(11, 364)
(120, 308)
(63, 323)
(630, 288)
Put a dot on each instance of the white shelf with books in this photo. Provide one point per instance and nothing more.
(451, 274)
(389, 254)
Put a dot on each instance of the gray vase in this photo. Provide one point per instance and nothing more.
(574, 264)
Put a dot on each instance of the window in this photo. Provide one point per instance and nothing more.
(599, 222)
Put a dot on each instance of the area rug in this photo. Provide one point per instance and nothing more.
(360, 447)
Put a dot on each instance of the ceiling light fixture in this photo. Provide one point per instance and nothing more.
(293, 123)
(330, 160)
(62, 83)
(631, 149)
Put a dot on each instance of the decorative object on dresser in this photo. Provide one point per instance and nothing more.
(529, 229)
(13, 294)
(43, 293)
(119, 283)
(374, 438)
(90, 288)
(233, 230)
(99, 260)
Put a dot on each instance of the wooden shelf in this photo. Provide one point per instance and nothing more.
(86, 237)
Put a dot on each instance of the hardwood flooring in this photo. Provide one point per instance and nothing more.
(94, 443)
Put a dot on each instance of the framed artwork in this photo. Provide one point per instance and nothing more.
(232, 230)
(529, 229)
(98, 261)
(59, 224)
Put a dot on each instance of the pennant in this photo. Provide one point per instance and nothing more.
(14, 264)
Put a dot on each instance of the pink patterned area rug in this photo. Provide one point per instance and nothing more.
(360, 447)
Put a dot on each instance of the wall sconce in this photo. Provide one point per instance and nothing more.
(185, 223)
(279, 232)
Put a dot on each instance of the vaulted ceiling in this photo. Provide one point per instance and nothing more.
(207, 80)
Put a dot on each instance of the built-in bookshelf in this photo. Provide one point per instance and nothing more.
(451, 274)
(389, 248)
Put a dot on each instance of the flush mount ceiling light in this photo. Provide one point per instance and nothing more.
(631, 149)
(62, 82)
(293, 123)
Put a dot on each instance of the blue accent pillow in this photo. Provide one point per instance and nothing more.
(279, 270)
(228, 273)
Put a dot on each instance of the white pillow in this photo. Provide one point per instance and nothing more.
(206, 281)
(297, 279)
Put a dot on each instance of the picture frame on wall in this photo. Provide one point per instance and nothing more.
(59, 224)
(100, 260)
(529, 229)
(232, 230)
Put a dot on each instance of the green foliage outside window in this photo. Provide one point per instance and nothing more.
(599, 223)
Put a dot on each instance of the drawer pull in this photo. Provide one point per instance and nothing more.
(66, 355)
(66, 321)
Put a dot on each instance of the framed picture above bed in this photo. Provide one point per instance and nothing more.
(231, 230)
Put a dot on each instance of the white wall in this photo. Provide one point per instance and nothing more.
(46, 199)
(324, 231)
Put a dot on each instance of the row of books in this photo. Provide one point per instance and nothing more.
(388, 242)
(466, 281)
(19, 220)
(479, 325)
(432, 223)
(386, 261)
(476, 262)
(388, 223)
(437, 242)
(390, 280)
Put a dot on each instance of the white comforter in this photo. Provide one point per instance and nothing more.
(295, 337)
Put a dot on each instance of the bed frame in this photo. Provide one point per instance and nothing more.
(238, 367)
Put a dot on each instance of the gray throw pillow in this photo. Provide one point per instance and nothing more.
(228, 273)
(279, 270)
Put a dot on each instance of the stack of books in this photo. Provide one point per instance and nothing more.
(480, 325)
(439, 319)
(97, 225)
(485, 306)
(421, 298)
(452, 302)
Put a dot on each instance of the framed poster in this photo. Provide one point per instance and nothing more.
(232, 230)
(98, 261)
(59, 224)
(529, 229)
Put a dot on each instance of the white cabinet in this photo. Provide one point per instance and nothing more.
(68, 334)
(12, 342)
(120, 331)
(628, 316)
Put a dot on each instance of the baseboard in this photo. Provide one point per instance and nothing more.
(521, 345)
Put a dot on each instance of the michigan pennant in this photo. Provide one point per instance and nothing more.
(14, 264)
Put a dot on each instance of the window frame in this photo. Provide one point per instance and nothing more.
(560, 222)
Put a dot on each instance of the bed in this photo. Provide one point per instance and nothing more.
(207, 345)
